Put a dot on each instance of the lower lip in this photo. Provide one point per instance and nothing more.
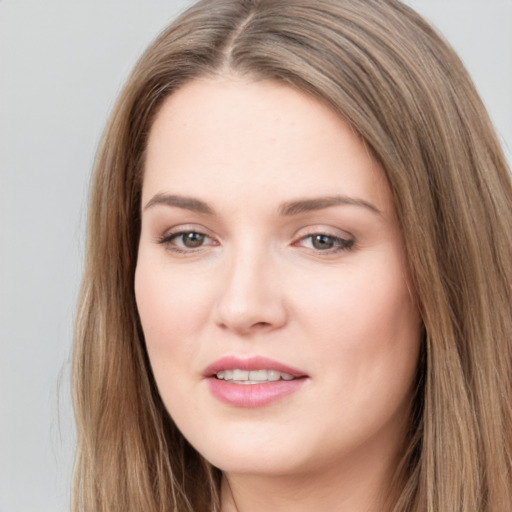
(252, 395)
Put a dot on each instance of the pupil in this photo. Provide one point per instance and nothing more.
(193, 239)
(323, 242)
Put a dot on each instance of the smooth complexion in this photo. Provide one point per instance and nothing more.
(268, 231)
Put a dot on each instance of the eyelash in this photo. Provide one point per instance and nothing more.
(168, 240)
(338, 244)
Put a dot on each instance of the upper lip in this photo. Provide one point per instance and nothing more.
(250, 363)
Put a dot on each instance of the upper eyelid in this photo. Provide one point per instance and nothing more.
(335, 237)
(168, 242)
(186, 228)
(168, 236)
(341, 245)
(323, 230)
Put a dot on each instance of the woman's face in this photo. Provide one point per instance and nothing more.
(271, 282)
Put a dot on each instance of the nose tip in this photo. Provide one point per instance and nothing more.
(242, 323)
(251, 301)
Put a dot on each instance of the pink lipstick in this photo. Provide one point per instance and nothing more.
(252, 382)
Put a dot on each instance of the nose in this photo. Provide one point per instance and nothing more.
(251, 298)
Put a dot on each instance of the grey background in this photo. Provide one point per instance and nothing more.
(62, 64)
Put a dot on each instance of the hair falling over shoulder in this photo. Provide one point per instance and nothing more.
(402, 88)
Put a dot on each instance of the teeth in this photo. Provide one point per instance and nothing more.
(273, 375)
(259, 375)
(240, 375)
(253, 376)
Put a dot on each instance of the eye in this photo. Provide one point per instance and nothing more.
(323, 242)
(190, 240)
(186, 240)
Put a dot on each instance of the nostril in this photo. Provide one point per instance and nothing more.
(261, 325)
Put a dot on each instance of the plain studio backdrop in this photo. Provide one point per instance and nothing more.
(62, 63)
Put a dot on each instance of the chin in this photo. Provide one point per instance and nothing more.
(256, 463)
(267, 454)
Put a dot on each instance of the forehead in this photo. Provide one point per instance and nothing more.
(234, 137)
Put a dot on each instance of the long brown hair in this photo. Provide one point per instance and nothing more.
(403, 89)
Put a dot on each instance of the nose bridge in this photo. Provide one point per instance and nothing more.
(250, 298)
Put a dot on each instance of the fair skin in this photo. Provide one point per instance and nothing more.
(269, 231)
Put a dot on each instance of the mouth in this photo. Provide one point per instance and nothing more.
(253, 382)
(255, 369)
(253, 376)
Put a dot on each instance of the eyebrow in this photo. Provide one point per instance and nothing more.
(286, 209)
(187, 203)
(319, 203)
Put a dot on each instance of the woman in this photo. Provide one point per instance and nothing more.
(297, 291)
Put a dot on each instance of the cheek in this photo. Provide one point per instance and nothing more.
(364, 324)
(169, 304)
(354, 302)
(167, 311)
